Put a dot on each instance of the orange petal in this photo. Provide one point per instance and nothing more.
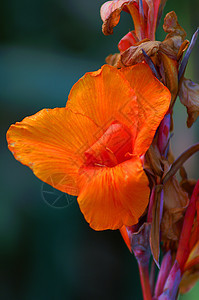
(105, 96)
(51, 143)
(114, 147)
(112, 197)
(153, 100)
(126, 238)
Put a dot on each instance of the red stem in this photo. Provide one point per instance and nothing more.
(145, 283)
(183, 247)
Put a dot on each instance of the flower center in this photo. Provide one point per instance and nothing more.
(112, 148)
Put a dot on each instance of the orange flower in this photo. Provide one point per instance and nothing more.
(92, 147)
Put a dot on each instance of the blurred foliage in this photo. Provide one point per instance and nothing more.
(46, 252)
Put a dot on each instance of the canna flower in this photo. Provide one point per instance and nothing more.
(92, 148)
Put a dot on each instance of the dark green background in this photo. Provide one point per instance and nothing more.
(49, 253)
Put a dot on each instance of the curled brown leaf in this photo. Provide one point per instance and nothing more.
(134, 54)
(114, 60)
(154, 160)
(110, 14)
(176, 34)
(189, 96)
(175, 203)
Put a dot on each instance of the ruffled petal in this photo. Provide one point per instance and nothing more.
(153, 100)
(105, 96)
(52, 143)
(112, 197)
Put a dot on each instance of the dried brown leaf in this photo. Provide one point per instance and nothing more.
(169, 73)
(176, 34)
(175, 203)
(153, 160)
(110, 14)
(114, 60)
(189, 96)
(134, 54)
(188, 185)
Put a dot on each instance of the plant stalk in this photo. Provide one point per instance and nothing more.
(144, 279)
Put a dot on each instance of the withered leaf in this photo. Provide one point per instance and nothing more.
(114, 60)
(134, 54)
(110, 14)
(176, 34)
(153, 160)
(188, 185)
(189, 96)
(169, 73)
(175, 203)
